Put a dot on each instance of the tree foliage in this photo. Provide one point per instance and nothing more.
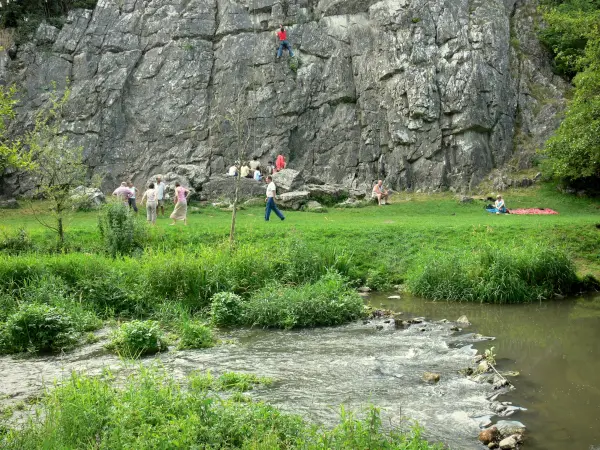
(14, 13)
(573, 36)
(60, 166)
(12, 155)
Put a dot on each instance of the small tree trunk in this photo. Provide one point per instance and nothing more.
(233, 214)
(61, 232)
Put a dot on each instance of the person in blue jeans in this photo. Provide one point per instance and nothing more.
(271, 206)
(283, 42)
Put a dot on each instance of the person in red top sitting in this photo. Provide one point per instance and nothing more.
(283, 42)
(280, 163)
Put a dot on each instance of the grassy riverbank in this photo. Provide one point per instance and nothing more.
(297, 273)
(152, 411)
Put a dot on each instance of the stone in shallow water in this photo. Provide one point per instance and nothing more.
(394, 297)
(509, 443)
(463, 320)
(510, 427)
(431, 377)
(489, 435)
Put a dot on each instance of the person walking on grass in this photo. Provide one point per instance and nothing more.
(151, 199)
(131, 199)
(160, 195)
(180, 199)
(270, 200)
(123, 193)
(283, 42)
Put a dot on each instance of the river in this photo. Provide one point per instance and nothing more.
(556, 348)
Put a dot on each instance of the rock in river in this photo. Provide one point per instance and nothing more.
(431, 377)
(489, 435)
(510, 427)
(510, 442)
(463, 320)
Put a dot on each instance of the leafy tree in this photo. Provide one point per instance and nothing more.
(12, 155)
(60, 166)
(573, 35)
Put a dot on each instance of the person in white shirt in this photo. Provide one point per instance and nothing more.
(254, 163)
(270, 200)
(150, 196)
(160, 195)
(232, 171)
(131, 199)
(257, 174)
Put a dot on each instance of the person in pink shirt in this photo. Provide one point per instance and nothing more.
(123, 193)
(180, 211)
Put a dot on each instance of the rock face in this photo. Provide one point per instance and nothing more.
(88, 197)
(425, 94)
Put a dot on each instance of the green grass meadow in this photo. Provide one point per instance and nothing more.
(388, 238)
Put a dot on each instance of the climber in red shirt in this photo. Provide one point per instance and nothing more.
(283, 42)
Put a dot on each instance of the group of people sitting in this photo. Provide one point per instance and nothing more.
(253, 169)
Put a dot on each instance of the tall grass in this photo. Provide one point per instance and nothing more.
(132, 286)
(152, 411)
(494, 275)
(328, 301)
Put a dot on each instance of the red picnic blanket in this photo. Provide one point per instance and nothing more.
(536, 211)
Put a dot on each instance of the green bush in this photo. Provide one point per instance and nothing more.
(494, 275)
(53, 291)
(329, 301)
(38, 328)
(151, 411)
(226, 309)
(137, 338)
(113, 295)
(122, 232)
(15, 242)
(195, 335)
(8, 305)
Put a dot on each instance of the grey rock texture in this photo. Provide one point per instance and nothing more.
(425, 94)
(87, 198)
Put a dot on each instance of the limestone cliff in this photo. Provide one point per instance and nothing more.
(427, 94)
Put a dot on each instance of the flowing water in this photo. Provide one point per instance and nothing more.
(315, 371)
(556, 348)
